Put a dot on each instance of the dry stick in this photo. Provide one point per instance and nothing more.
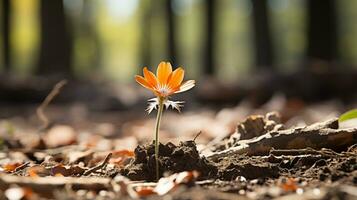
(293, 152)
(100, 166)
(308, 150)
(40, 110)
(21, 167)
(198, 134)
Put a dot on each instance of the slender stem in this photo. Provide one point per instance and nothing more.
(157, 127)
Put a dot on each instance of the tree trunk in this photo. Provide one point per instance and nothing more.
(6, 23)
(56, 43)
(172, 53)
(262, 37)
(90, 34)
(208, 59)
(322, 30)
(145, 43)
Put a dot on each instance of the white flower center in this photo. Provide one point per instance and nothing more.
(164, 90)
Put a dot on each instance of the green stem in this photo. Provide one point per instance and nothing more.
(157, 127)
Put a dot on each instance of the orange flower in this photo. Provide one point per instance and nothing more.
(166, 82)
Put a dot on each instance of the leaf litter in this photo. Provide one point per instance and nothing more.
(268, 156)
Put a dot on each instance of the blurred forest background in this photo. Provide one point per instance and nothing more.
(304, 48)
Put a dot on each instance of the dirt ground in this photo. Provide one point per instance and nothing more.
(259, 157)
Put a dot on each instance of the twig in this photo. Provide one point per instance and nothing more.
(198, 134)
(293, 152)
(40, 110)
(100, 166)
(308, 150)
(21, 167)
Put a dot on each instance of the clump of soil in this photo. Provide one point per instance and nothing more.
(172, 159)
(246, 166)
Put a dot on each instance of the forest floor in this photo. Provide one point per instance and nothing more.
(296, 152)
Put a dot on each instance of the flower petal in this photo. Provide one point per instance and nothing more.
(176, 78)
(150, 77)
(186, 86)
(142, 81)
(163, 72)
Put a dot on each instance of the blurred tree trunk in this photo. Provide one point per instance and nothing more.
(56, 43)
(208, 59)
(145, 43)
(322, 30)
(6, 23)
(172, 53)
(264, 55)
(90, 35)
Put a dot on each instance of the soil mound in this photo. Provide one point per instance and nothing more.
(172, 159)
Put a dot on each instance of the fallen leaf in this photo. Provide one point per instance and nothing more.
(80, 156)
(123, 153)
(38, 171)
(60, 135)
(119, 156)
(186, 177)
(145, 191)
(61, 170)
(289, 185)
(167, 184)
(129, 142)
(98, 143)
(9, 167)
(105, 129)
(17, 193)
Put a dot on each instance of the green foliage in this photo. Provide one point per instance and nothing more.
(352, 114)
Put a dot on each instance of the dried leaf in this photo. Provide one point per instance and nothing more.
(9, 167)
(60, 135)
(186, 177)
(60, 170)
(79, 156)
(129, 142)
(167, 184)
(14, 193)
(289, 185)
(145, 191)
(121, 153)
(17, 193)
(119, 156)
(38, 171)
